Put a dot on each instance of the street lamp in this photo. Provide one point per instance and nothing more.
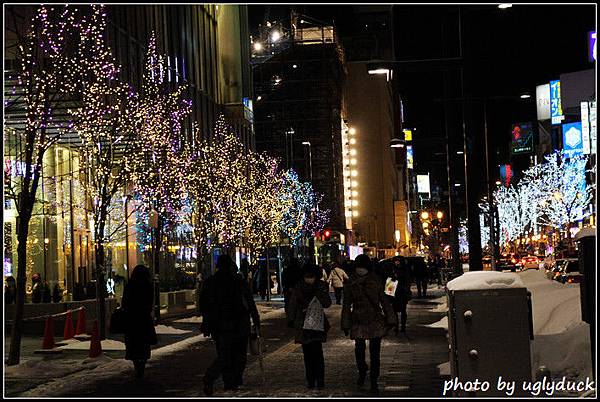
(425, 215)
(440, 215)
(397, 143)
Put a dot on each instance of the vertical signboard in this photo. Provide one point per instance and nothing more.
(409, 157)
(542, 99)
(522, 138)
(585, 128)
(592, 46)
(593, 127)
(572, 139)
(423, 184)
(556, 113)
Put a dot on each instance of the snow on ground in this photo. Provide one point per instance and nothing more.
(485, 280)
(69, 374)
(561, 339)
(166, 330)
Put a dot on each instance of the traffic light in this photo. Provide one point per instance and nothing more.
(327, 234)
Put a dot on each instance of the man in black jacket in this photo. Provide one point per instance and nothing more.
(227, 306)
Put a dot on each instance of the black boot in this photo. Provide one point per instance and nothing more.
(374, 387)
(139, 368)
(208, 387)
(362, 376)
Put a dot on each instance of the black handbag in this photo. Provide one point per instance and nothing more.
(118, 321)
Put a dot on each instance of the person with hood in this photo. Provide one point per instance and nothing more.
(366, 315)
(337, 278)
(400, 272)
(309, 297)
(227, 305)
(138, 304)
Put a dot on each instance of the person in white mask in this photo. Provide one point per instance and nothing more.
(366, 315)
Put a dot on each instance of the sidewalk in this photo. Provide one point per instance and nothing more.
(409, 363)
(408, 367)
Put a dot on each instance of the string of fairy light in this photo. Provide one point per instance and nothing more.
(215, 188)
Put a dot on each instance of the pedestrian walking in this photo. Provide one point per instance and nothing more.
(138, 304)
(306, 315)
(227, 306)
(366, 315)
(289, 279)
(337, 278)
(37, 288)
(419, 269)
(400, 272)
(263, 281)
(10, 290)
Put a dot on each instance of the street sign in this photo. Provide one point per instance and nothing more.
(522, 138)
(572, 139)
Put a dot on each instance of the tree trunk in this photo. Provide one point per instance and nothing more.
(100, 301)
(14, 354)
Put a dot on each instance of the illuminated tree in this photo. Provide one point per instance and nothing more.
(108, 137)
(560, 194)
(45, 54)
(516, 211)
(158, 180)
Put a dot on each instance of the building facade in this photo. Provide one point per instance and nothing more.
(206, 48)
(299, 112)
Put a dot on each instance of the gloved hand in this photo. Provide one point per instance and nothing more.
(346, 332)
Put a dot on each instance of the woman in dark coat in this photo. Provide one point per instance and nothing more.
(366, 314)
(138, 305)
(307, 288)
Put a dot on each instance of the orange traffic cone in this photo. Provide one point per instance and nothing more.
(80, 323)
(69, 332)
(48, 334)
(95, 345)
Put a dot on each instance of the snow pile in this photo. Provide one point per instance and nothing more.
(107, 344)
(444, 368)
(561, 340)
(443, 323)
(482, 280)
(166, 330)
(190, 320)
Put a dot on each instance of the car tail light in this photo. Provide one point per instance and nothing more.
(570, 280)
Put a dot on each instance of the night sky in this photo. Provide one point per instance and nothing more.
(509, 51)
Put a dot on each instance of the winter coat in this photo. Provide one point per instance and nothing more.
(302, 295)
(138, 304)
(403, 292)
(419, 268)
(227, 305)
(366, 312)
(337, 277)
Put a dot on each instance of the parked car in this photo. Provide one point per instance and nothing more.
(569, 272)
(530, 262)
